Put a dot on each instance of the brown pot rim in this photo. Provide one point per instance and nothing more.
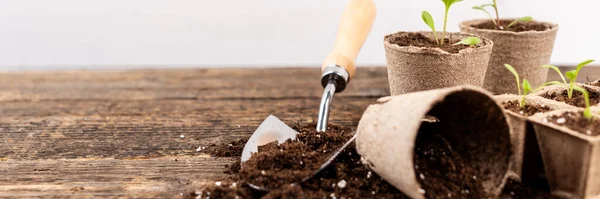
(487, 44)
(539, 120)
(467, 25)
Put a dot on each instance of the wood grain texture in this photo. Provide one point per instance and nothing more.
(117, 133)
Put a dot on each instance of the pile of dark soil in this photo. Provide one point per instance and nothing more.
(420, 40)
(577, 122)
(346, 177)
(528, 110)
(519, 27)
(575, 100)
(279, 168)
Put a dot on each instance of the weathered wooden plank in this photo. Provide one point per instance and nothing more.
(166, 177)
(124, 129)
(192, 84)
(182, 84)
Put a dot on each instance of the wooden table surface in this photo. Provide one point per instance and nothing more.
(117, 133)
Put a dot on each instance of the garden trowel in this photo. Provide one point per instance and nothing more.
(337, 70)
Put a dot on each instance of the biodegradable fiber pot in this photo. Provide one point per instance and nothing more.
(526, 162)
(571, 159)
(414, 68)
(525, 51)
(473, 125)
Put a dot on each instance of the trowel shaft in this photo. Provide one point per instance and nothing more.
(339, 67)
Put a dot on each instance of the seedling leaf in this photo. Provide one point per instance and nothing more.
(482, 8)
(526, 90)
(514, 72)
(581, 65)
(469, 41)
(522, 19)
(428, 19)
(572, 78)
(572, 75)
(449, 3)
(557, 71)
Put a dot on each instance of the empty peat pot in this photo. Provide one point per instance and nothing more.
(526, 51)
(571, 158)
(462, 150)
(526, 163)
(414, 68)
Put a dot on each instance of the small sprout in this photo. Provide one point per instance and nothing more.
(482, 8)
(522, 19)
(447, 3)
(469, 41)
(587, 113)
(428, 19)
(572, 75)
(514, 72)
(526, 90)
(497, 21)
(526, 85)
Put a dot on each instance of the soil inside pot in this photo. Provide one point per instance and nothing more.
(420, 40)
(575, 100)
(528, 110)
(442, 171)
(577, 122)
(519, 27)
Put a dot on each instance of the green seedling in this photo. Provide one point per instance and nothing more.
(482, 8)
(514, 72)
(522, 19)
(497, 20)
(429, 20)
(469, 41)
(526, 90)
(587, 112)
(526, 85)
(571, 75)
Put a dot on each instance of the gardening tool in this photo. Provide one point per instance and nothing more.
(273, 129)
(337, 70)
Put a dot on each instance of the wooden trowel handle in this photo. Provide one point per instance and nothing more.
(353, 31)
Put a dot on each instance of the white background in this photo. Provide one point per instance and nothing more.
(92, 34)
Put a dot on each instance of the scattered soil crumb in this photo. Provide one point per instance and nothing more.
(232, 149)
(528, 110)
(519, 27)
(420, 40)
